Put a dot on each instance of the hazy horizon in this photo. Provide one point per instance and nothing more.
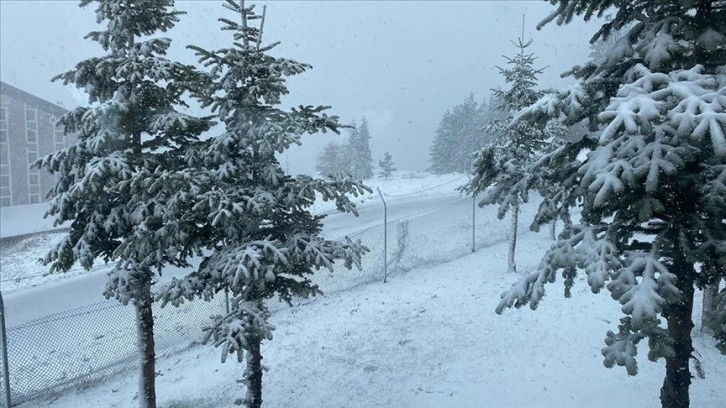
(400, 64)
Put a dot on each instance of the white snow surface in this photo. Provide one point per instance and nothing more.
(427, 338)
(25, 219)
(402, 185)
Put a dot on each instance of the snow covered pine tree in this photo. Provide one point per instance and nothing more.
(359, 148)
(262, 240)
(440, 152)
(499, 170)
(652, 188)
(334, 161)
(386, 165)
(119, 186)
(458, 135)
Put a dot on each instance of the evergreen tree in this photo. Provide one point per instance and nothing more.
(493, 113)
(334, 161)
(652, 189)
(359, 146)
(119, 185)
(717, 320)
(708, 311)
(459, 133)
(600, 50)
(262, 240)
(440, 153)
(498, 168)
(386, 165)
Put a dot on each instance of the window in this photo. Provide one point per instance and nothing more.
(4, 175)
(32, 135)
(31, 125)
(4, 144)
(58, 134)
(3, 124)
(32, 156)
(5, 183)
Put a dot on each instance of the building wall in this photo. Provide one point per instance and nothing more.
(28, 131)
(5, 186)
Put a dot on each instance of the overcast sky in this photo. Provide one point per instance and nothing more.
(401, 64)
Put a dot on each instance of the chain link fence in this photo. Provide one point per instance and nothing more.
(85, 345)
(91, 343)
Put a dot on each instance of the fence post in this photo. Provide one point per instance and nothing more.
(4, 345)
(473, 223)
(226, 299)
(385, 237)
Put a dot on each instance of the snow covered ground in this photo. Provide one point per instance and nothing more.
(25, 219)
(427, 338)
(402, 185)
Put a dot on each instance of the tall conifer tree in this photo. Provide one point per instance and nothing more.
(334, 160)
(652, 188)
(262, 240)
(119, 185)
(359, 147)
(387, 166)
(460, 133)
(497, 169)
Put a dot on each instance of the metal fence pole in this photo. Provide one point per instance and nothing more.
(385, 237)
(473, 223)
(4, 346)
(226, 299)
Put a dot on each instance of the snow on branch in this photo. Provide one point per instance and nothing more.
(586, 247)
(247, 320)
(691, 103)
(643, 299)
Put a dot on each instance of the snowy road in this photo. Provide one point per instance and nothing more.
(369, 215)
(25, 305)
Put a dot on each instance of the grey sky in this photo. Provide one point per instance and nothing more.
(401, 64)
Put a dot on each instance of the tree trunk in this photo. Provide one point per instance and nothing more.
(145, 326)
(254, 375)
(553, 235)
(710, 292)
(674, 393)
(513, 238)
(145, 319)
